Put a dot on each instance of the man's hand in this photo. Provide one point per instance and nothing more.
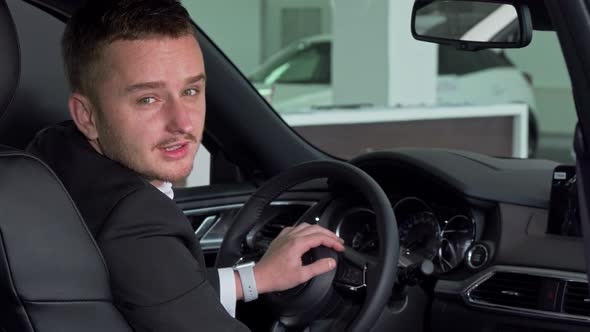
(281, 267)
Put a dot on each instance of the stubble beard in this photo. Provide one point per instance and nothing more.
(113, 146)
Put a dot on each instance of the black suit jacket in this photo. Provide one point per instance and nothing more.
(158, 275)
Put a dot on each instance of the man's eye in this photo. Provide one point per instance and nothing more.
(147, 100)
(191, 92)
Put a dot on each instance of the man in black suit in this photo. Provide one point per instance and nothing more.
(138, 106)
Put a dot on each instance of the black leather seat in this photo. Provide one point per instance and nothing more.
(52, 276)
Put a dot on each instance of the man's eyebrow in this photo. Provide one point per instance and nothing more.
(144, 86)
(197, 78)
(160, 84)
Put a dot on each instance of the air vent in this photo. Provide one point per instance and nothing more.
(532, 291)
(264, 236)
(280, 220)
(272, 229)
(576, 299)
(510, 290)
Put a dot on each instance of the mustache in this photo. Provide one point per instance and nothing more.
(170, 141)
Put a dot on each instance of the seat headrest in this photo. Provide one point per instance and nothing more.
(9, 57)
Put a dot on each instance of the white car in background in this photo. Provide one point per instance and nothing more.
(298, 78)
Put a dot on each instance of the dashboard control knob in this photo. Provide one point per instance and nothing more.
(478, 256)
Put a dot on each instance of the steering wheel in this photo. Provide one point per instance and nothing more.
(305, 305)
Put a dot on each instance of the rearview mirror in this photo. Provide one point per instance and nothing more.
(472, 25)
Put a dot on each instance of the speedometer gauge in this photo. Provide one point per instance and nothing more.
(419, 236)
(419, 231)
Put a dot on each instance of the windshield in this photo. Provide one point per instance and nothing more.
(350, 79)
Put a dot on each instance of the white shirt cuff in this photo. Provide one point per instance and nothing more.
(227, 290)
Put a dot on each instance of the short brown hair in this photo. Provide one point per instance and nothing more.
(102, 22)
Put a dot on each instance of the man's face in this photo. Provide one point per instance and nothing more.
(151, 105)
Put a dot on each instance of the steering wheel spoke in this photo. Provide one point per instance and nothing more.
(313, 214)
(358, 259)
(351, 277)
(352, 269)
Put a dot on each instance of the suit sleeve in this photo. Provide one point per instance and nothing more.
(158, 281)
(213, 278)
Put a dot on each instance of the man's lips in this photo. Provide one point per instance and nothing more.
(175, 151)
(175, 146)
(176, 141)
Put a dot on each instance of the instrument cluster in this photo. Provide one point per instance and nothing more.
(426, 231)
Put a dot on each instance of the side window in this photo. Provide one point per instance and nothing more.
(300, 64)
(454, 62)
(324, 70)
(304, 67)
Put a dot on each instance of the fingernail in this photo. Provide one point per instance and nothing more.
(331, 263)
(341, 240)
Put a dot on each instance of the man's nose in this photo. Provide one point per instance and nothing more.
(179, 120)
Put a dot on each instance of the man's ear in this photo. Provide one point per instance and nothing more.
(83, 113)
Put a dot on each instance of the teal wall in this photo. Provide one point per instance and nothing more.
(234, 25)
(544, 61)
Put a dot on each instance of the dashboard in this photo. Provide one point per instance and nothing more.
(453, 208)
(486, 223)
